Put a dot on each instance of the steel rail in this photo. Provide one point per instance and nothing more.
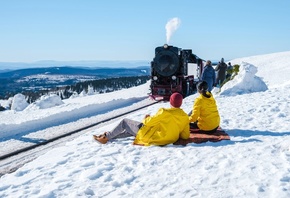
(22, 150)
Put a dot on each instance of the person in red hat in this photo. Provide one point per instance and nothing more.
(165, 127)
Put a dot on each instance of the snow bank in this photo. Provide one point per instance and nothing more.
(245, 82)
(46, 101)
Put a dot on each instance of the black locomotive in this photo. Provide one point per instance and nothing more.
(174, 70)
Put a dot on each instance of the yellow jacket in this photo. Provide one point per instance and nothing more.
(205, 112)
(165, 127)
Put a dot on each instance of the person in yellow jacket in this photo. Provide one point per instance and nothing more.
(204, 114)
(165, 127)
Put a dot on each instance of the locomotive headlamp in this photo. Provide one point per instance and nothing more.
(165, 46)
(155, 78)
(173, 77)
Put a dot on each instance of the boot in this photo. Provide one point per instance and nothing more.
(101, 138)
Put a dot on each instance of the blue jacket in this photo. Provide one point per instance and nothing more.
(208, 75)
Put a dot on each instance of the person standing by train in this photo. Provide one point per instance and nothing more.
(204, 114)
(221, 69)
(229, 70)
(165, 127)
(208, 75)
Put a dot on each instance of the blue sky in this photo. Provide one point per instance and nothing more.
(73, 30)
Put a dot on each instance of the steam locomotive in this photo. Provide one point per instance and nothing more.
(174, 70)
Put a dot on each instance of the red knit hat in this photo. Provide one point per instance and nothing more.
(176, 100)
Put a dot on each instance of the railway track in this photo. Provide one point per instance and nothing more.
(12, 161)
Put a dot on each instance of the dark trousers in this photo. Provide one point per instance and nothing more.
(193, 125)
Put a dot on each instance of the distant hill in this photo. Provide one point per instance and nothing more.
(90, 64)
(68, 70)
(45, 78)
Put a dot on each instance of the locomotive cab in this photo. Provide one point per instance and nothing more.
(173, 70)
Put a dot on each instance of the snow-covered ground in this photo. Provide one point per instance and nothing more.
(254, 163)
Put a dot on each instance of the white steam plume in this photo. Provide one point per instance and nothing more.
(170, 27)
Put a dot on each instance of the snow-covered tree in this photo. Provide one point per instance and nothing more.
(19, 102)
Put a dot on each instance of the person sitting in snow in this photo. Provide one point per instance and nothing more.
(204, 114)
(165, 127)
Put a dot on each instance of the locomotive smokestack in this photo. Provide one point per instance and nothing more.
(171, 26)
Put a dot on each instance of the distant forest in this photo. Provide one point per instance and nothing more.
(89, 87)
